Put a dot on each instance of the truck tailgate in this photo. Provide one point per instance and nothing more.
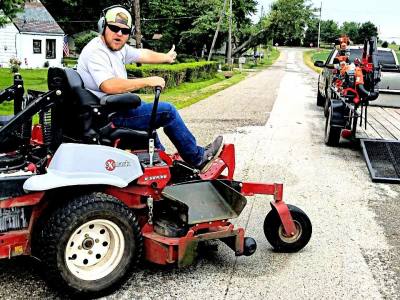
(390, 79)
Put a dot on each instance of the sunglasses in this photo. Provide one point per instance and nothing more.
(116, 29)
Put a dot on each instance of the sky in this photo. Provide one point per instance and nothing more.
(385, 14)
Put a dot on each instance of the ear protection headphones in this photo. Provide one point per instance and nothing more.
(101, 24)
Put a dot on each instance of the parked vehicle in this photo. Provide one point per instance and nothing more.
(352, 83)
(386, 59)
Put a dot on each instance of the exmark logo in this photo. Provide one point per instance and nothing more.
(111, 164)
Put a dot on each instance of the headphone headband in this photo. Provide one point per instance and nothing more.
(101, 24)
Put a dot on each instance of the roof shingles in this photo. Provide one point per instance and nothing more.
(36, 18)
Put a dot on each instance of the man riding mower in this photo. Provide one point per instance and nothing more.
(90, 211)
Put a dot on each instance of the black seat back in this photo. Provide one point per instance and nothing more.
(79, 109)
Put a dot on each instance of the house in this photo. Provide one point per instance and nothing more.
(33, 37)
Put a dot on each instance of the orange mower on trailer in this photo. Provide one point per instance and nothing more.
(353, 86)
(90, 210)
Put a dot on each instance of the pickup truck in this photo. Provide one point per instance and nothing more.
(389, 85)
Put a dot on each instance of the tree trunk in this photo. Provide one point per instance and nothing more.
(249, 43)
(216, 31)
(138, 32)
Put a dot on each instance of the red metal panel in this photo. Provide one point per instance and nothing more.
(228, 156)
(158, 253)
(130, 197)
(285, 216)
(26, 200)
(14, 243)
(155, 175)
(252, 188)
(37, 135)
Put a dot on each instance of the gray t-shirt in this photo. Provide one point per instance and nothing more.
(98, 63)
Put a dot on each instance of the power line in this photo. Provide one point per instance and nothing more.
(143, 19)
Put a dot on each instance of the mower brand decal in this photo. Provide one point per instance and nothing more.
(111, 164)
(155, 177)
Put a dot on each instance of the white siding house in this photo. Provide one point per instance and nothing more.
(33, 37)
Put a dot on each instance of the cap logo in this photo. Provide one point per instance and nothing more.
(121, 18)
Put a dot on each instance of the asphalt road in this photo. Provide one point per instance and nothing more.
(354, 251)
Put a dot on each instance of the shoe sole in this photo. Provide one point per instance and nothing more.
(208, 165)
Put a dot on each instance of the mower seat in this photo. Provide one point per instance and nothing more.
(87, 118)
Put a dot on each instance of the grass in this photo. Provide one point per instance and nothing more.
(189, 93)
(269, 59)
(34, 79)
(396, 48)
(312, 56)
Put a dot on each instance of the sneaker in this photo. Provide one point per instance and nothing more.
(211, 152)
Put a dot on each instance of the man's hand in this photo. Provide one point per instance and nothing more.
(171, 55)
(155, 81)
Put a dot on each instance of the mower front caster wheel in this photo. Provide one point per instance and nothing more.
(275, 233)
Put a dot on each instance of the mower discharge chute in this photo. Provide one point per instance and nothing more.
(90, 211)
(354, 84)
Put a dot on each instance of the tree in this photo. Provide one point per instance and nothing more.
(366, 30)
(10, 8)
(288, 19)
(329, 31)
(79, 15)
(385, 44)
(311, 34)
(351, 30)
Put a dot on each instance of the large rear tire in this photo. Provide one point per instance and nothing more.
(332, 133)
(274, 232)
(327, 104)
(320, 98)
(89, 244)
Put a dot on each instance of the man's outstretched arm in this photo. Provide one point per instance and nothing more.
(152, 57)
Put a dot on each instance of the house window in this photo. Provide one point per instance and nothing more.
(50, 49)
(37, 46)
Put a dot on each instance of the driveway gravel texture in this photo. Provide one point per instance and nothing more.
(277, 129)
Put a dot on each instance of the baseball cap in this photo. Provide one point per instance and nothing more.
(119, 15)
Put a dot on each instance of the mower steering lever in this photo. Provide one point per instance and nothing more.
(154, 112)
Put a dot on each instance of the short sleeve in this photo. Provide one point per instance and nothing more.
(99, 67)
(132, 54)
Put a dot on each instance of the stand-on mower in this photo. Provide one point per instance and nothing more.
(75, 198)
(353, 86)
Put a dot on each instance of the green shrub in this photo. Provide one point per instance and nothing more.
(83, 39)
(176, 74)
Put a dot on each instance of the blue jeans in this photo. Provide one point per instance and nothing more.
(173, 125)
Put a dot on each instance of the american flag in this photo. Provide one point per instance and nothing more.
(65, 46)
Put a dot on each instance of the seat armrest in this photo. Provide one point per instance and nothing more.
(120, 102)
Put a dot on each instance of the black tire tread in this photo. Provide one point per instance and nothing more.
(272, 223)
(332, 139)
(60, 220)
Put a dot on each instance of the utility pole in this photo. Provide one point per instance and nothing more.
(319, 25)
(216, 31)
(229, 56)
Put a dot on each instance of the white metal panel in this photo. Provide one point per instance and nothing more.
(79, 164)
